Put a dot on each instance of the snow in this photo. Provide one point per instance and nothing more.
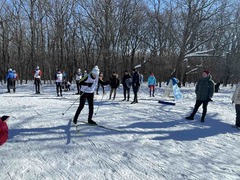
(155, 141)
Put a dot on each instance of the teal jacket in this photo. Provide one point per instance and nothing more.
(205, 88)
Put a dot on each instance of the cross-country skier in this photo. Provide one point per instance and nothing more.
(88, 86)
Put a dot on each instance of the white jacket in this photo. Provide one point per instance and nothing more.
(89, 79)
(236, 95)
(59, 77)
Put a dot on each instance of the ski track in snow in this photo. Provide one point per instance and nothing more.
(154, 142)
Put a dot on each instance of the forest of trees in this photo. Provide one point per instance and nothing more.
(161, 35)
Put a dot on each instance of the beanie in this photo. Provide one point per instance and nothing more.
(95, 71)
(207, 72)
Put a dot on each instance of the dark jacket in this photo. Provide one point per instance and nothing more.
(114, 81)
(205, 88)
(125, 79)
(135, 79)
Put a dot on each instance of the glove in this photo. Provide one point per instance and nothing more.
(89, 84)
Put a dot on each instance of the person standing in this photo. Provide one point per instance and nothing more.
(10, 81)
(114, 84)
(126, 82)
(151, 84)
(204, 91)
(88, 85)
(59, 81)
(78, 77)
(135, 85)
(37, 79)
(100, 83)
(236, 101)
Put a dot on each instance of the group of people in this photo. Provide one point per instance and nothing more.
(87, 83)
(94, 80)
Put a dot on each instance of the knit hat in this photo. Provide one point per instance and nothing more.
(152, 74)
(95, 71)
(207, 72)
(4, 118)
(37, 67)
(10, 70)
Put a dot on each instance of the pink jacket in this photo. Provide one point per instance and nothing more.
(3, 132)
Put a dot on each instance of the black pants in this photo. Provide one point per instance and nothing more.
(99, 84)
(78, 87)
(135, 91)
(11, 84)
(237, 107)
(37, 83)
(59, 88)
(197, 105)
(126, 92)
(83, 98)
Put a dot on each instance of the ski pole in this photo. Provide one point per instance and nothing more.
(99, 105)
(72, 104)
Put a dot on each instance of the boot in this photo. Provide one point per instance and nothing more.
(202, 119)
(92, 122)
(75, 121)
(189, 117)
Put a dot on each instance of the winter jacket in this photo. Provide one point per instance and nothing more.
(114, 81)
(135, 79)
(3, 132)
(10, 75)
(78, 76)
(88, 83)
(205, 88)
(236, 95)
(151, 80)
(59, 77)
(37, 74)
(126, 80)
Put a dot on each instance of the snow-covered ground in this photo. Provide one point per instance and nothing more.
(154, 141)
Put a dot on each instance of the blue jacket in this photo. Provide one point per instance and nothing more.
(10, 75)
(151, 80)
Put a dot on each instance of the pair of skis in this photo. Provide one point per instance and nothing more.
(97, 125)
